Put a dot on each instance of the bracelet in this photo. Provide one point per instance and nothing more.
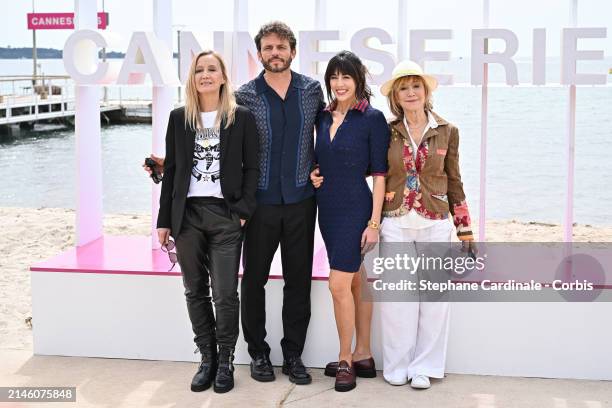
(374, 224)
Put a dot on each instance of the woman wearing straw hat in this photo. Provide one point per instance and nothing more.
(423, 185)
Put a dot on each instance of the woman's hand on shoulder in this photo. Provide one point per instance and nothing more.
(316, 178)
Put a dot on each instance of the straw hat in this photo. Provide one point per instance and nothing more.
(405, 68)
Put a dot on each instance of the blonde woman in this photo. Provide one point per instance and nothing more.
(208, 194)
(423, 185)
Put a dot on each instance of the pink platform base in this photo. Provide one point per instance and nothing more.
(132, 255)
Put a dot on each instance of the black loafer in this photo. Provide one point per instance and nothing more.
(294, 368)
(261, 369)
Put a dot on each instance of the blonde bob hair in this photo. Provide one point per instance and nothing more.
(227, 101)
(394, 104)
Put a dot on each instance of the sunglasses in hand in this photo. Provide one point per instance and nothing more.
(167, 248)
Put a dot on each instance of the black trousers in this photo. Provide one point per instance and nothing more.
(291, 225)
(208, 250)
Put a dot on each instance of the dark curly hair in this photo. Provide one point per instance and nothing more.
(279, 28)
(347, 63)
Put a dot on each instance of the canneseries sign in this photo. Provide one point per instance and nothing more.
(59, 21)
(147, 55)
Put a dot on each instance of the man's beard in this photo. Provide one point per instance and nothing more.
(282, 68)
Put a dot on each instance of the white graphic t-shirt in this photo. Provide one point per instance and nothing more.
(205, 173)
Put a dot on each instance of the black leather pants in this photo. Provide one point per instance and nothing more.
(208, 249)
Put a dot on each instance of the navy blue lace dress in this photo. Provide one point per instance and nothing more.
(344, 199)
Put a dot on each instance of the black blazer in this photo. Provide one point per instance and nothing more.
(239, 167)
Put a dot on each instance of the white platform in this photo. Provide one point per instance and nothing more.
(134, 315)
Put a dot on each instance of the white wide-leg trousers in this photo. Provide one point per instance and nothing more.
(414, 334)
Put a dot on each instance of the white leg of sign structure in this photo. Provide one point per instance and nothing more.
(402, 30)
(483, 134)
(320, 14)
(571, 142)
(241, 23)
(88, 141)
(241, 15)
(162, 102)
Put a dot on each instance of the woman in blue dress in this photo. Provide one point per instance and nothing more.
(352, 142)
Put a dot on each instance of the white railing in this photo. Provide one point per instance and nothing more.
(29, 94)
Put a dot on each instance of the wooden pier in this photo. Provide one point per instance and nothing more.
(26, 100)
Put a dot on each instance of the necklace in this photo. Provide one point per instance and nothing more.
(348, 109)
(413, 127)
(407, 124)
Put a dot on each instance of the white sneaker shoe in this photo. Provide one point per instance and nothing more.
(420, 382)
(396, 378)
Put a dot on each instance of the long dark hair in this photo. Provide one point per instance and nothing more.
(347, 63)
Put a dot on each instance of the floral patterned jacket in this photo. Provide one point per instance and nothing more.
(431, 184)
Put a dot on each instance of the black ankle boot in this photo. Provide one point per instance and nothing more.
(224, 381)
(207, 369)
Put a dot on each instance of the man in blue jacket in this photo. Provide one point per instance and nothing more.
(285, 105)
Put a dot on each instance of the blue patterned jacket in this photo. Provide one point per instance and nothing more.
(296, 166)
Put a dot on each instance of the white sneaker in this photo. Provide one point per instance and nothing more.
(396, 378)
(420, 382)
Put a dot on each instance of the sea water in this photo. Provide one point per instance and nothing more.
(527, 150)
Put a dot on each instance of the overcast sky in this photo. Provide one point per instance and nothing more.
(205, 16)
